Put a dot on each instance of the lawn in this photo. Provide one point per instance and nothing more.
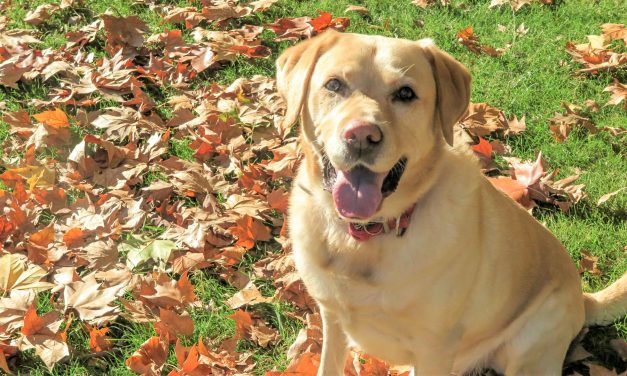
(144, 177)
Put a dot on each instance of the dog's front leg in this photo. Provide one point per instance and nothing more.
(334, 345)
(436, 360)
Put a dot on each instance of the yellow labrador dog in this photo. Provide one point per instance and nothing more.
(411, 254)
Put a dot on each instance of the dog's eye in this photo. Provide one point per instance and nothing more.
(334, 85)
(404, 94)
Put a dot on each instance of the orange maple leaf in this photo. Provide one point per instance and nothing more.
(43, 237)
(150, 357)
(74, 237)
(98, 341)
(55, 118)
(483, 147)
(249, 230)
(35, 324)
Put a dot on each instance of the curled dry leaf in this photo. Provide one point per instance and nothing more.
(515, 4)
(427, 3)
(247, 296)
(607, 196)
(588, 263)
(125, 33)
(467, 38)
(483, 119)
(40, 14)
(357, 8)
(561, 125)
(306, 364)
(615, 31)
(150, 358)
(597, 55)
(619, 94)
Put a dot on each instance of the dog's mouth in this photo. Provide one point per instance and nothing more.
(359, 192)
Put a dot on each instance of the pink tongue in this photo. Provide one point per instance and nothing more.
(357, 193)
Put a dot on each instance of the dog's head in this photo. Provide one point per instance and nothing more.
(375, 112)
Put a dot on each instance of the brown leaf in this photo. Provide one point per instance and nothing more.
(98, 340)
(357, 8)
(325, 20)
(41, 14)
(248, 230)
(619, 94)
(615, 31)
(126, 33)
(514, 189)
(576, 354)
(467, 38)
(290, 29)
(247, 296)
(173, 325)
(150, 358)
(278, 200)
(74, 237)
(426, 3)
(93, 303)
(42, 334)
(11, 73)
(305, 365)
(168, 293)
(588, 263)
(18, 274)
(262, 5)
(607, 196)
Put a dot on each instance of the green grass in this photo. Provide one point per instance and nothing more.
(532, 78)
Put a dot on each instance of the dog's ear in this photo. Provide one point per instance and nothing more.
(452, 82)
(294, 69)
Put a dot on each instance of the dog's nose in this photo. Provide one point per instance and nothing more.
(362, 135)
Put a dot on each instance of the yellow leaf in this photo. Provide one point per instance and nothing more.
(16, 274)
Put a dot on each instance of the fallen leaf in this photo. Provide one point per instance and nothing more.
(607, 196)
(619, 94)
(588, 263)
(248, 230)
(467, 38)
(42, 333)
(55, 118)
(93, 303)
(98, 340)
(247, 296)
(139, 251)
(16, 273)
(150, 358)
(357, 8)
(172, 325)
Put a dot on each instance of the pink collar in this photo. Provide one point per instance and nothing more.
(363, 232)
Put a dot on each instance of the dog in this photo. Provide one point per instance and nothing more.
(410, 253)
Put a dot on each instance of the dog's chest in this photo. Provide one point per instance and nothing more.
(374, 312)
(375, 317)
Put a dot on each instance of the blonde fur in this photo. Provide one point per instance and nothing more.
(475, 280)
